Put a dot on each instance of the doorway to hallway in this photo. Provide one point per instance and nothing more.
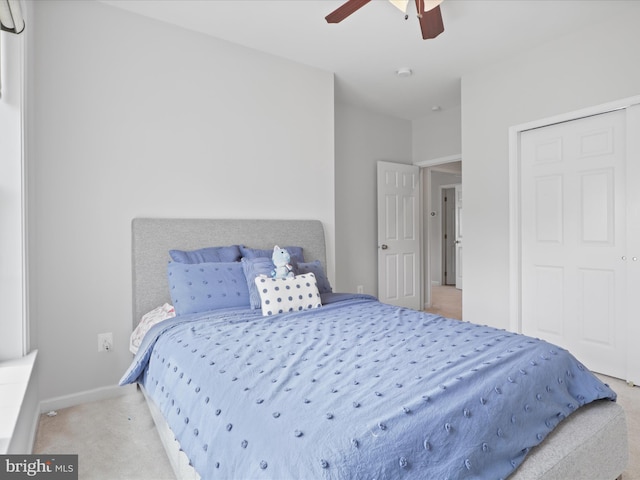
(438, 175)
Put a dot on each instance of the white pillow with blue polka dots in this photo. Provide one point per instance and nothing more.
(281, 295)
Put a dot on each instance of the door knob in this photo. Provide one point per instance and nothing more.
(384, 247)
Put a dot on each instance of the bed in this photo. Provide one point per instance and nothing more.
(354, 388)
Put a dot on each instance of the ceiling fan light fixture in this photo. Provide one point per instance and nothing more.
(431, 4)
(403, 4)
(404, 72)
(429, 15)
(400, 4)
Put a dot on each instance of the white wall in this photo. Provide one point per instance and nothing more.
(437, 135)
(362, 139)
(133, 117)
(585, 68)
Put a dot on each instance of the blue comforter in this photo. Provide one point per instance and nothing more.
(356, 389)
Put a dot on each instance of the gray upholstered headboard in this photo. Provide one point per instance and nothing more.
(152, 238)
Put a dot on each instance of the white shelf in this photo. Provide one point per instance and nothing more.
(14, 379)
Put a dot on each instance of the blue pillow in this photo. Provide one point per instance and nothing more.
(209, 254)
(315, 267)
(254, 267)
(207, 286)
(294, 252)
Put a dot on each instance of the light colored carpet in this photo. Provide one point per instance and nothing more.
(116, 438)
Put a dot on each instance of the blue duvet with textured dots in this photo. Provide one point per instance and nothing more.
(356, 389)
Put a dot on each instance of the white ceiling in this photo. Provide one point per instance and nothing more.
(366, 49)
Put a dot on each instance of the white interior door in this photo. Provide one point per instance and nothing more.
(399, 235)
(458, 249)
(573, 221)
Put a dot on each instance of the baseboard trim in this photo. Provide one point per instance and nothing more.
(96, 394)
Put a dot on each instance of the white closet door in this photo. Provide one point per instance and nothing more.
(573, 222)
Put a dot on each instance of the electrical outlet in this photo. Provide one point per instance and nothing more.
(105, 342)
(360, 289)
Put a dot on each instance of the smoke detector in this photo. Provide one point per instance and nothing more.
(404, 72)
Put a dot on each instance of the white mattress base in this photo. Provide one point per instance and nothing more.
(178, 459)
(589, 445)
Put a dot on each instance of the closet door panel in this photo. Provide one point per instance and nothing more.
(573, 232)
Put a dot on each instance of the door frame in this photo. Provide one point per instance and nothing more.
(426, 168)
(443, 220)
(515, 242)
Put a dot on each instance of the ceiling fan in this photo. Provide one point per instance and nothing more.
(429, 14)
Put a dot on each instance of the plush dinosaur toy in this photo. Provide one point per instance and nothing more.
(281, 259)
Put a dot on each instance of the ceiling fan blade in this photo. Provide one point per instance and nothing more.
(430, 22)
(345, 10)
